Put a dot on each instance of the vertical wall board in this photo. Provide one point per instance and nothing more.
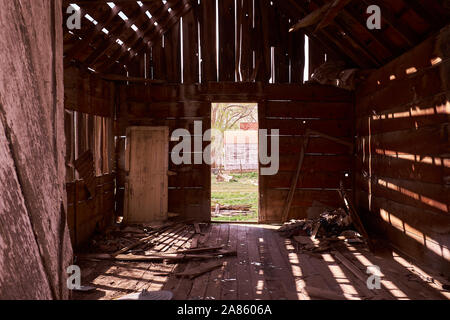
(207, 20)
(159, 61)
(91, 136)
(227, 58)
(81, 133)
(316, 55)
(262, 205)
(245, 18)
(136, 67)
(70, 189)
(297, 56)
(172, 53)
(68, 132)
(34, 237)
(190, 46)
(263, 51)
(282, 52)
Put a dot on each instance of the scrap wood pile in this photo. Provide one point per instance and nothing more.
(168, 243)
(220, 210)
(317, 235)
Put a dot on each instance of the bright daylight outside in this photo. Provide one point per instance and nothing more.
(234, 165)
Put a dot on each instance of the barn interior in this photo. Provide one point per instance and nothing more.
(92, 119)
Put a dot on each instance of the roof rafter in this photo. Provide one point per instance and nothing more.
(178, 11)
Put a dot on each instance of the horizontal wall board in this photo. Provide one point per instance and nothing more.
(87, 93)
(308, 92)
(319, 179)
(165, 109)
(316, 163)
(304, 204)
(335, 128)
(292, 145)
(421, 86)
(414, 168)
(412, 217)
(319, 110)
(374, 125)
(433, 197)
(428, 141)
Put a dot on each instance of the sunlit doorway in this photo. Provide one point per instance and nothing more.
(234, 167)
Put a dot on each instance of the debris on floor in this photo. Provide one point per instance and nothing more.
(266, 266)
(136, 243)
(230, 210)
(149, 295)
(317, 235)
(329, 224)
(198, 271)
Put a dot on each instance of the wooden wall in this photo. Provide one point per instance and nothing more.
(247, 31)
(403, 161)
(176, 107)
(290, 108)
(35, 248)
(293, 110)
(85, 92)
(88, 214)
(89, 110)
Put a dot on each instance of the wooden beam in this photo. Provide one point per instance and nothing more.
(431, 17)
(353, 16)
(295, 10)
(348, 35)
(335, 9)
(311, 19)
(127, 57)
(115, 32)
(118, 78)
(386, 14)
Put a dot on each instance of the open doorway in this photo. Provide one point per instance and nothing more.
(234, 165)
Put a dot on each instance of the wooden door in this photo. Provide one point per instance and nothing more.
(146, 187)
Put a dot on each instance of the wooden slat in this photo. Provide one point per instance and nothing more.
(172, 54)
(226, 40)
(190, 47)
(208, 40)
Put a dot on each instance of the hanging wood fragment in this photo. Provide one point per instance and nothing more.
(85, 167)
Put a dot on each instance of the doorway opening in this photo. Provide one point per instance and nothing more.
(234, 162)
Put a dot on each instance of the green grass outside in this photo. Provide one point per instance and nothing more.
(240, 191)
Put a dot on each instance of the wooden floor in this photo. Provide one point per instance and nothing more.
(267, 266)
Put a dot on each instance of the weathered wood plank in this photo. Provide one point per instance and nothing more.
(33, 206)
